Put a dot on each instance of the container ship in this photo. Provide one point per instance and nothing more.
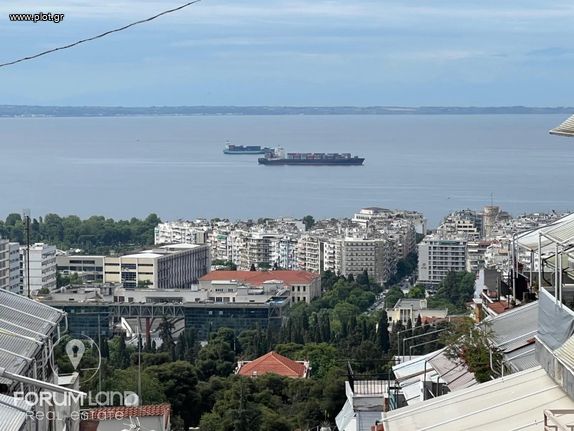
(245, 149)
(278, 157)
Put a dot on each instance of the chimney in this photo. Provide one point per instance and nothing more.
(478, 311)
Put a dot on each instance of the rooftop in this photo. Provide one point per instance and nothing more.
(514, 333)
(259, 277)
(415, 304)
(110, 413)
(24, 326)
(162, 251)
(274, 363)
(13, 413)
(515, 402)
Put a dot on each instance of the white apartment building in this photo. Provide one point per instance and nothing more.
(176, 266)
(464, 224)
(374, 214)
(220, 241)
(475, 256)
(15, 282)
(438, 256)
(180, 232)
(330, 256)
(42, 268)
(310, 254)
(283, 252)
(4, 264)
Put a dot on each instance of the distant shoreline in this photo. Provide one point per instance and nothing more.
(25, 111)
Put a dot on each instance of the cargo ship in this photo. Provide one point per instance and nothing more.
(245, 149)
(278, 157)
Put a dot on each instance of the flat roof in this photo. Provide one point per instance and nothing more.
(163, 250)
(260, 277)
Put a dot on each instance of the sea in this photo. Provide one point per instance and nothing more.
(125, 167)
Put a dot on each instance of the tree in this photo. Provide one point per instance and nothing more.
(383, 341)
(417, 292)
(252, 267)
(165, 329)
(454, 291)
(308, 221)
(127, 380)
(179, 382)
(104, 348)
(363, 278)
(120, 357)
(392, 296)
(472, 345)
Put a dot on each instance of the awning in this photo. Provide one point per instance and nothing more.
(562, 230)
(515, 402)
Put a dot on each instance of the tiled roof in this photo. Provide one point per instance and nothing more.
(275, 363)
(257, 278)
(110, 413)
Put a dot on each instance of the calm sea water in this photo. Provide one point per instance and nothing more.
(124, 167)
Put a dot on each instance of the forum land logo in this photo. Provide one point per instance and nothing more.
(82, 354)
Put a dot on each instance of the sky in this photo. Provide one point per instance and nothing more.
(292, 52)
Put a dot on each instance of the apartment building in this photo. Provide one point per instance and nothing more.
(475, 257)
(465, 224)
(176, 266)
(310, 253)
(404, 236)
(4, 264)
(438, 256)
(374, 215)
(376, 256)
(42, 272)
(284, 252)
(15, 285)
(181, 232)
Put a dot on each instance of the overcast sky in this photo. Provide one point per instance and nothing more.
(283, 52)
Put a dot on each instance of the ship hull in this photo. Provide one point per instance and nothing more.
(313, 162)
(246, 152)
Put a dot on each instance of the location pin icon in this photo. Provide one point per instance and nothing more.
(75, 350)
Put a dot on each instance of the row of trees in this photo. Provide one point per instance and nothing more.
(96, 234)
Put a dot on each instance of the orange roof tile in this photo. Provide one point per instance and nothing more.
(275, 363)
(257, 278)
(110, 413)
